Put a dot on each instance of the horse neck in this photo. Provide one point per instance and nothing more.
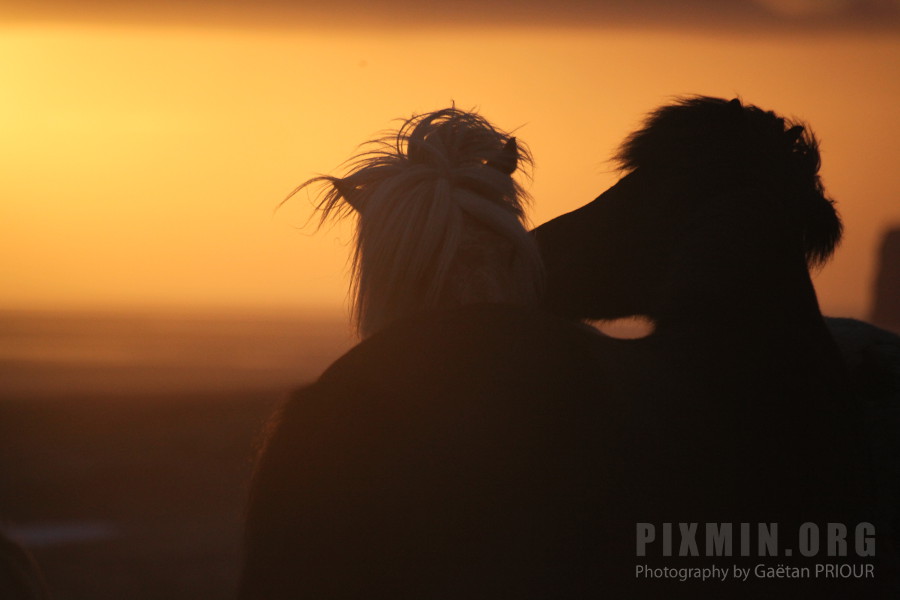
(770, 338)
(738, 278)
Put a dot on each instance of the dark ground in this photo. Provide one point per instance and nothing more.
(161, 481)
(127, 441)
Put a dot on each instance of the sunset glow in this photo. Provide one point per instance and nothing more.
(142, 166)
(177, 346)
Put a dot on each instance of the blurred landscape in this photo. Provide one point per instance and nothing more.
(147, 144)
(127, 440)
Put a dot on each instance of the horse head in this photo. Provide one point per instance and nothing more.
(720, 204)
(440, 219)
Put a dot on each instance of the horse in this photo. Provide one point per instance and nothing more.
(872, 356)
(476, 448)
(711, 233)
(720, 210)
(441, 219)
(434, 459)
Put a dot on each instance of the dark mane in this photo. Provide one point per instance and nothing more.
(725, 145)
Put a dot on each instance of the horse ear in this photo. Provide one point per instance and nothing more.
(793, 134)
(347, 191)
(508, 159)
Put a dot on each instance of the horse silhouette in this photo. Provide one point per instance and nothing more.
(712, 233)
(440, 458)
(471, 449)
(441, 219)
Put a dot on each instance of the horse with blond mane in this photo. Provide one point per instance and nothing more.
(473, 446)
(440, 219)
(431, 460)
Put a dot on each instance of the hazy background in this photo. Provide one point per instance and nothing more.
(145, 146)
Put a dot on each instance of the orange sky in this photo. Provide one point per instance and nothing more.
(142, 165)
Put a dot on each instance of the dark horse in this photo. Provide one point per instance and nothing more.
(441, 457)
(471, 446)
(711, 233)
(492, 450)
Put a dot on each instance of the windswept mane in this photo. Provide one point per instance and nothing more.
(441, 219)
(728, 144)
